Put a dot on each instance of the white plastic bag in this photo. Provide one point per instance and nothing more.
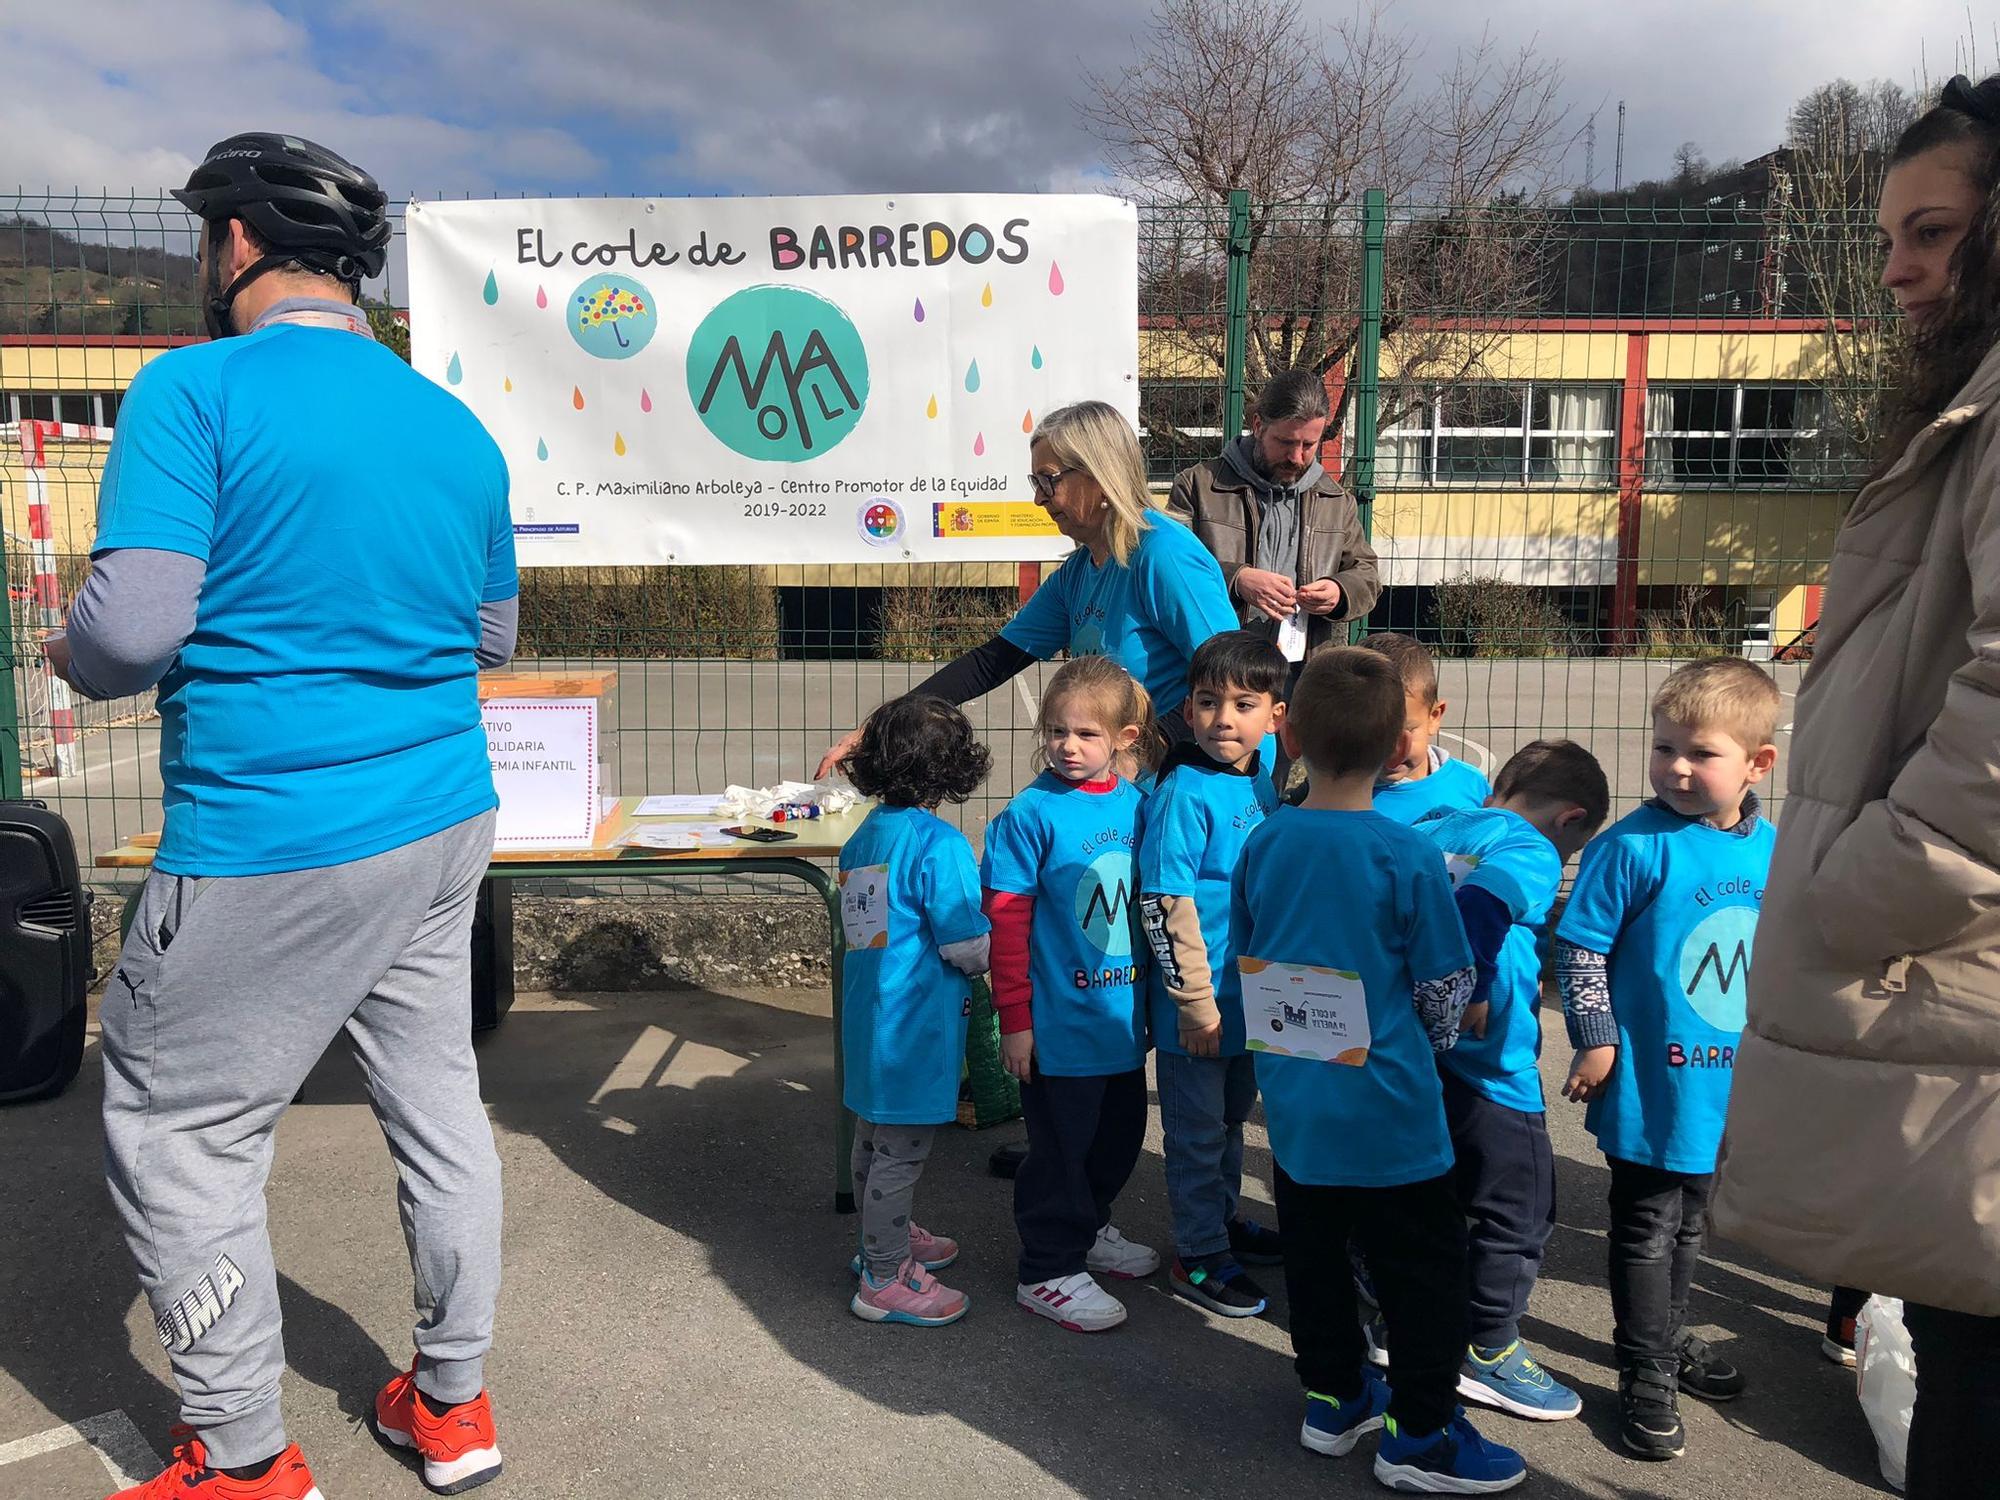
(1886, 1371)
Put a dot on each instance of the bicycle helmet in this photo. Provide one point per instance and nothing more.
(301, 200)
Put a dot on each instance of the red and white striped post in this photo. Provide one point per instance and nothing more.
(45, 590)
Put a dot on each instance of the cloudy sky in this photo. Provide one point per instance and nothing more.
(799, 96)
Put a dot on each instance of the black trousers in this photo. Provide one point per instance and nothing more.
(1414, 1239)
(1506, 1178)
(1658, 1221)
(1084, 1136)
(1955, 1428)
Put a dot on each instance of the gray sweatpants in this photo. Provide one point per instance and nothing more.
(887, 1161)
(226, 994)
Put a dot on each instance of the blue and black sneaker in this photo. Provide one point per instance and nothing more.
(1454, 1460)
(1255, 1245)
(1221, 1286)
(1333, 1426)
(1512, 1382)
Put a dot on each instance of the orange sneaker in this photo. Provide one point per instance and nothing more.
(459, 1449)
(189, 1477)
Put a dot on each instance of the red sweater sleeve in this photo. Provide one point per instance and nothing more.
(1013, 991)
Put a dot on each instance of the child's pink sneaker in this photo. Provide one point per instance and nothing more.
(913, 1295)
(931, 1251)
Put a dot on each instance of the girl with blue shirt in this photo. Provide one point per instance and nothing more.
(1069, 987)
(916, 939)
(1139, 588)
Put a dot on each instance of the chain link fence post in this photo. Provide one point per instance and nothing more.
(1234, 354)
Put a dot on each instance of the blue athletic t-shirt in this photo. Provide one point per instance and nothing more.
(908, 887)
(1675, 904)
(1503, 854)
(1148, 615)
(1072, 851)
(1452, 785)
(1191, 834)
(352, 517)
(1357, 892)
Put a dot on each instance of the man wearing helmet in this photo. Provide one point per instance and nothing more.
(307, 547)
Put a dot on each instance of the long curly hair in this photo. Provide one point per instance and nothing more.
(917, 751)
(1942, 356)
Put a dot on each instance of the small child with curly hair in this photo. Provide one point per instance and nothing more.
(916, 939)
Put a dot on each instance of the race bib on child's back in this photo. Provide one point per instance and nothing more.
(864, 906)
(1305, 1011)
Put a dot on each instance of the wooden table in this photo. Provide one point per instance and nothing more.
(818, 839)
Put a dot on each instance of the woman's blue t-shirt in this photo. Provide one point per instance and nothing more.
(1072, 850)
(908, 887)
(1148, 615)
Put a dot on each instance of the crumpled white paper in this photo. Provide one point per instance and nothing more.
(758, 802)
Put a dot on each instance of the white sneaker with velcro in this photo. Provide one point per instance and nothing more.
(1077, 1302)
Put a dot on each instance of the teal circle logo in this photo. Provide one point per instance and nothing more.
(1715, 966)
(1087, 639)
(1104, 903)
(612, 317)
(778, 373)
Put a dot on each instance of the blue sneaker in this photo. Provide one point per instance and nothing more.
(1333, 1426)
(1454, 1460)
(1508, 1379)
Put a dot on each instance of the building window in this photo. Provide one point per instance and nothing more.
(1729, 435)
(1542, 432)
(84, 408)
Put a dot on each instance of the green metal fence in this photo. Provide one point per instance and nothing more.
(1589, 441)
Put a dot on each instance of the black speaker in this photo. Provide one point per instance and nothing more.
(44, 953)
(492, 953)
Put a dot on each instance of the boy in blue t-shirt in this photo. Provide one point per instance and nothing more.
(1506, 861)
(1211, 793)
(1351, 972)
(1426, 778)
(1653, 953)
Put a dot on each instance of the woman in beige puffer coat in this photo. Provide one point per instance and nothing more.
(1864, 1130)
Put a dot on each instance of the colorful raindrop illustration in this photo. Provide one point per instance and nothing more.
(1028, 421)
(972, 376)
(492, 291)
(986, 297)
(541, 297)
(931, 410)
(507, 384)
(576, 397)
(919, 310)
(1035, 359)
(1055, 280)
(979, 446)
(645, 399)
(454, 372)
(542, 450)
(618, 443)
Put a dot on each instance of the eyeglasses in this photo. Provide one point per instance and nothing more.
(1045, 484)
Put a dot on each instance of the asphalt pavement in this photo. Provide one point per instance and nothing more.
(674, 1317)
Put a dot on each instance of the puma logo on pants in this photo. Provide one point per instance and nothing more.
(195, 1313)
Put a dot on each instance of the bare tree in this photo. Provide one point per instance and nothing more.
(1247, 94)
(1689, 164)
(1843, 118)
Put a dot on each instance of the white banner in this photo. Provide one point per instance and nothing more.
(776, 380)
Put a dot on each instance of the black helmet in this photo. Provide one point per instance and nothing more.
(305, 203)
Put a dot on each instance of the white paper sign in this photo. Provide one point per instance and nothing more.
(1292, 636)
(679, 836)
(864, 906)
(544, 754)
(776, 380)
(678, 805)
(1302, 1010)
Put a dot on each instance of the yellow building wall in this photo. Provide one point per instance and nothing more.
(1766, 538)
(67, 367)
